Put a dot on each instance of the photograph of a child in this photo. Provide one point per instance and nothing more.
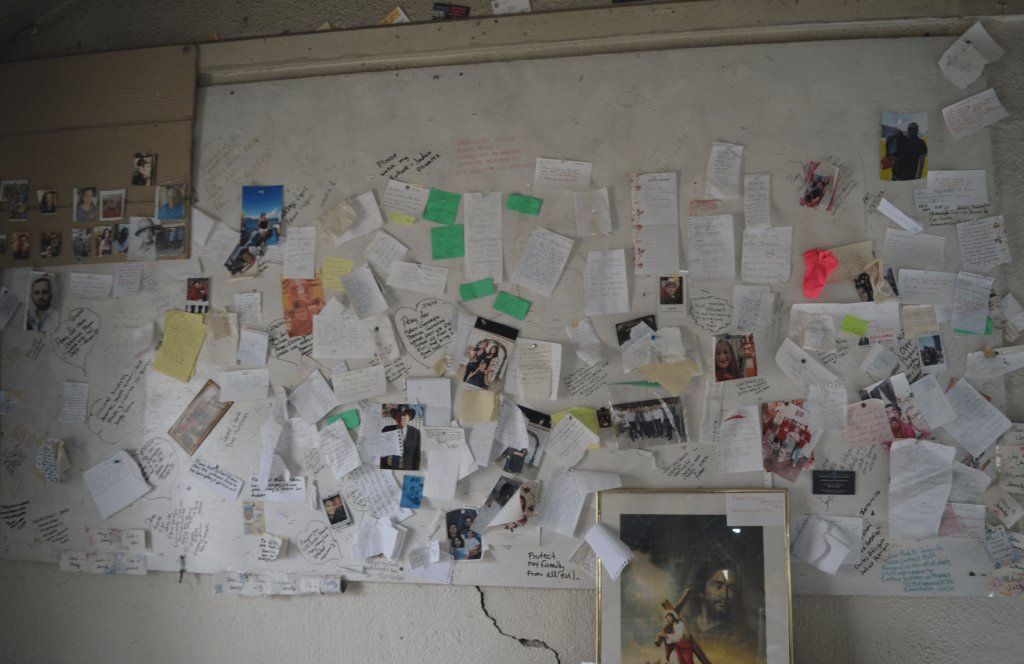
(464, 541)
(735, 357)
(787, 446)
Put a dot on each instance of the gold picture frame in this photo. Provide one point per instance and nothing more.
(728, 588)
(197, 421)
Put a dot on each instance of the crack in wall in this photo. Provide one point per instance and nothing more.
(529, 643)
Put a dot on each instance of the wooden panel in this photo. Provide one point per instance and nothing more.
(101, 90)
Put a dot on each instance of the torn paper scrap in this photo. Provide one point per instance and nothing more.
(1003, 505)
(822, 545)
(609, 548)
(963, 62)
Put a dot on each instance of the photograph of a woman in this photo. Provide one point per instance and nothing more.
(735, 357)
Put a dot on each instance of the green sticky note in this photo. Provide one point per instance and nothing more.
(447, 242)
(350, 417)
(988, 329)
(516, 307)
(476, 289)
(853, 325)
(523, 204)
(442, 206)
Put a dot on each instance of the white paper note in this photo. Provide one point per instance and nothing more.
(585, 342)
(920, 477)
(533, 365)
(609, 548)
(723, 175)
(963, 62)
(300, 253)
(974, 113)
(919, 319)
(1002, 362)
(353, 218)
(757, 200)
(711, 413)
(244, 385)
(435, 394)
(711, 248)
(341, 337)
(76, 402)
(935, 407)
(970, 305)
(605, 283)
(214, 478)
(970, 186)
(338, 450)
(968, 484)
(895, 214)
(755, 509)
(827, 405)
(823, 545)
(561, 175)
(654, 210)
(800, 367)
(935, 200)
(927, 287)
(978, 423)
(90, 286)
(541, 266)
(248, 307)
(442, 474)
(905, 248)
(359, 384)
(766, 255)
(313, 398)
(983, 243)
(405, 199)
(126, 279)
(866, 424)
(417, 277)
(9, 303)
(593, 212)
(482, 234)
(560, 505)
(115, 483)
(1003, 505)
(739, 442)
(279, 490)
(252, 346)
(879, 363)
(383, 251)
(568, 441)
(364, 293)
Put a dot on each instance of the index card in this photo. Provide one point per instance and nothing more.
(711, 413)
(822, 544)
(963, 61)
(605, 283)
(450, 439)
(338, 450)
(214, 478)
(478, 406)
(1003, 505)
(435, 394)
(313, 398)
(724, 171)
(417, 277)
(711, 248)
(654, 214)
(116, 539)
(920, 477)
(405, 199)
(9, 303)
(910, 249)
(115, 483)
(560, 505)
(90, 286)
(968, 484)
(76, 402)
(593, 212)
(248, 307)
(442, 207)
(983, 243)
(755, 509)
(935, 200)
(252, 346)
(963, 521)
(541, 266)
(1002, 362)
(364, 293)
(300, 253)
(827, 405)
(244, 385)
(609, 548)
(970, 305)
(894, 213)
(999, 547)
(852, 259)
(738, 449)
(974, 113)
(919, 319)
(585, 341)
(935, 407)
(978, 423)
(360, 384)
(800, 367)
(183, 337)
(482, 232)
(879, 362)
(568, 441)
(866, 424)
(767, 255)
(103, 563)
(757, 200)
(971, 188)
(383, 251)
(561, 175)
(279, 490)
(927, 287)
(442, 474)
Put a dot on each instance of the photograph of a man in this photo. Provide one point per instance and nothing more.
(142, 239)
(403, 414)
(904, 146)
(42, 313)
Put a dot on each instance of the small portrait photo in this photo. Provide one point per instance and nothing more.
(487, 355)
(103, 236)
(252, 517)
(86, 205)
(170, 202)
(302, 299)
(112, 205)
(464, 541)
(604, 418)
(197, 295)
(904, 146)
(22, 247)
(142, 233)
(170, 240)
(337, 515)
(735, 357)
(932, 358)
(199, 418)
(49, 244)
(3, 245)
(47, 201)
(16, 195)
(42, 308)
(122, 237)
(864, 288)
(407, 419)
(671, 290)
(143, 169)
(622, 330)
(651, 422)
(10, 190)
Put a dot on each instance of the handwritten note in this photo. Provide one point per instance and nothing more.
(541, 266)
(364, 293)
(300, 253)
(252, 346)
(248, 307)
(405, 199)
(534, 370)
(214, 478)
(974, 113)
(183, 337)
(126, 279)
(383, 251)
(895, 214)
(1003, 505)
(609, 548)
(352, 218)
(339, 451)
(963, 62)
(755, 509)
(115, 483)
(978, 423)
(970, 305)
(970, 186)
(341, 337)
(909, 249)
(800, 367)
(866, 424)
(723, 176)
(920, 477)
(757, 200)
(827, 405)
(766, 255)
(359, 384)
(76, 401)
(561, 175)
(738, 449)
(926, 287)
(313, 398)
(935, 200)
(279, 490)
(482, 232)
(560, 505)
(711, 248)
(9, 303)
(116, 539)
(593, 212)
(568, 441)
(244, 385)
(919, 319)
(654, 213)
(605, 283)
(880, 362)
(852, 259)
(428, 279)
(478, 406)
(935, 407)
(983, 243)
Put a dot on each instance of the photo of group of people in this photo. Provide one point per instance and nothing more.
(337, 516)
(787, 444)
(905, 417)
(933, 360)
(654, 422)
(487, 355)
(407, 420)
(260, 227)
(735, 357)
(819, 188)
(464, 542)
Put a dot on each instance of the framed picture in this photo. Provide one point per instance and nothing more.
(199, 419)
(700, 589)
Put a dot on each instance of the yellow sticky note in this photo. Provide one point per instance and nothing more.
(587, 416)
(183, 337)
(402, 219)
(332, 270)
(479, 406)
(673, 377)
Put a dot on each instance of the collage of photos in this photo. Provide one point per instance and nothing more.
(487, 355)
(302, 299)
(735, 357)
(407, 420)
(527, 459)
(905, 418)
(651, 422)
(260, 227)
(337, 516)
(904, 146)
(787, 446)
(464, 541)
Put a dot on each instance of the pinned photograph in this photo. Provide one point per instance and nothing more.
(904, 146)
(47, 201)
(486, 358)
(142, 239)
(252, 517)
(787, 446)
(819, 188)
(464, 542)
(905, 418)
(112, 205)
(302, 299)
(197, 296)
(604, 418)
(10, 190)
(538, 426)
(104, 238)
(735, 357)
(22, 247)
(260, 228)
(622, 330)
(337, 515)
(42, 308)
(143, 169)
(16, 193)
(672, 297)
(933, 360)
(86, 206)
(49, 244)
(650, 422)
(199, 418)
(122, 238)
(407, 420)
(170, 202)
(170, 240)
(81, 243)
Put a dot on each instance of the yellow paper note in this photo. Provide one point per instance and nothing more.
(332, 270)
(587, 416)
(183, 337)
(673, 377)
(441, 366)
(402, 219)
(852, 259)
(479, 406)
